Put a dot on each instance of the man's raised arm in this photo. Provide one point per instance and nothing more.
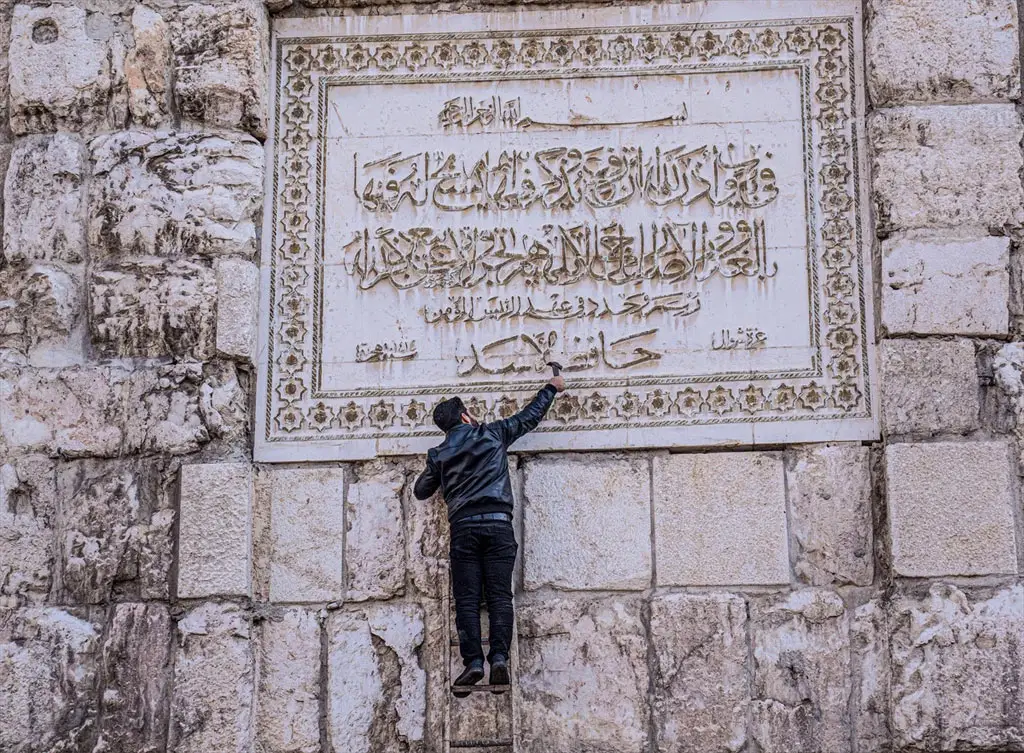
(428, 482)
(526, 420)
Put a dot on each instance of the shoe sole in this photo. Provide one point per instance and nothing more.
(499, 679)
(468, 682)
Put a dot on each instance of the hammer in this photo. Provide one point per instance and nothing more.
(555, 367)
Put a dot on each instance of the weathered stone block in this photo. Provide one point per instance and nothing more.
(28, 513)
(720, 519)
(60, 77)
(929, 386)
(701, 685)
(583, 675)
(289, 684)
(214, 535)
(307, 534)
(39, 315)
(375, 681)
(238, 294)
(869, 660)
(44, 200)
(1008, 371)
(427, 539)
(174, 194)
(947, 167)
(587, 523)
(943, 285)
(374, 538)
(147, 69)
(211, 706)
(801, 652)
(951, 508)
(221, 69)
(829, 490)
(956, 680)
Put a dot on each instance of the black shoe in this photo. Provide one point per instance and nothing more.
(471, 675)
(499, 673)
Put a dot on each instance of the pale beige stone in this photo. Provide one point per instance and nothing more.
(147, 68)
(211, 706)
(307, 534)
(720, 519)
(701, 684)
(945, 285)
(215, 531)
(427, 540)
(951, 508)
(375, 680)
(929, 386)
(930, 51)
(289, 683)
(829, 492)
(28, 513)
(238, 295)
(1008, 370)
(374, 535)
(167, 408)
(40, 315)
(869, 657)
(801, 687)
(956, 659)
(947, 167)
(587, 523)
(583, 675)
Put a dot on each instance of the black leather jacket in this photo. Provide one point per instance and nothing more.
(471, 465)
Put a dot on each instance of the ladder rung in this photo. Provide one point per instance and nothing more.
(496, 689)
(481, 744)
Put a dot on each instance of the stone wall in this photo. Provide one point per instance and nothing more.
(160, 592)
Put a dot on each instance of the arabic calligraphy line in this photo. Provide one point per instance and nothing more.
(403, 350)
(460, 309)
(465, 112)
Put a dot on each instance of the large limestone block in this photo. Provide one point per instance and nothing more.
(44, 200)
(377, 688)
(289, 683)
(40, 314)
(427, 539)
(583, 675)
(720, 519)
(801, 651)
(869, 658)
(929, 386)
(931, 51)
(956, 663)
(701, 684)
(136, 671)
(60, 75)
(947, 167)
(147, 68)
(211, 706)
(221, 68)
(153, 308)
(374, 534)
(945, 285)
(238, 296)
(829, 491)
(48, 697)
(951, 508)
(1008, 371)
(174, 194)
(28, 514)
(307, 532)
(215, 532)
(587, 523)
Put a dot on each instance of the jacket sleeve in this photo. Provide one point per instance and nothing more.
(429, 481)
(527, 419)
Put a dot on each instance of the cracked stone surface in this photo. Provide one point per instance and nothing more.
(374, 535)
(289, 683)
(28, 517)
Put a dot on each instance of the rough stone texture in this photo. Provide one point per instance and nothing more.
(307, 534)
(1008, 371)
(427, 541)
(374, 540)
(951, 508)
(583, 676)
(946, 166)
(829, 491)
(289, 683)
(48, 682)
(215, 532)
(375, 681)
(869, 659)
(801, 685)
(211, 706)
(40, 318)
(928, 51)
(720, 519)
(220, 56)
(701, 684)
(153, 308)
(44, 200)
(929, 386)
(136, 669)
(28, 512)
(173, 194)
(60, 76)
(956, 670)
(238, 296)
(147, 69)
(943, 285)
(587, 523)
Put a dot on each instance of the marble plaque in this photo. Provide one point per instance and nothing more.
(667, 200)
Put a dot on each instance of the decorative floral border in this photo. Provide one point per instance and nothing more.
(295, 411)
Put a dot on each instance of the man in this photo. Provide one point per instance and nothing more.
(471, 468)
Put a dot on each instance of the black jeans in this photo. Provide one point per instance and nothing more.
(483, 554)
